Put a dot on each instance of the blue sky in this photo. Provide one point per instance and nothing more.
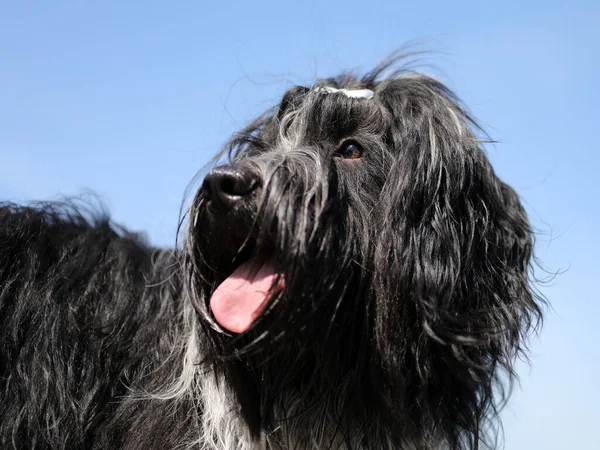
(130, 99)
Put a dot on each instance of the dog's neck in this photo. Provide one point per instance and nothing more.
(292, 420)
(292, 426)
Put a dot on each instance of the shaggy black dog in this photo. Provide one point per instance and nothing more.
(356, 277)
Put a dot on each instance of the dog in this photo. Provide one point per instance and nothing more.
(355, 276)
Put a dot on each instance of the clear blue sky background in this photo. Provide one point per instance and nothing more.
(130, 99)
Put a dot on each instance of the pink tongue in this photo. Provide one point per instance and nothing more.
(239, 299)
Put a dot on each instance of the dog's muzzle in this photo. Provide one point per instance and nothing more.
(247, 273)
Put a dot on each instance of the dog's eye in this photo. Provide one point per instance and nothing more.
(350, 150)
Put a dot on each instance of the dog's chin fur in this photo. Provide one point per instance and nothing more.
(407, 293)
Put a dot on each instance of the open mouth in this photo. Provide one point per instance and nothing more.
(241, 297)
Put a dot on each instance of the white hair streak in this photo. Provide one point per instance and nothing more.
(221, 427)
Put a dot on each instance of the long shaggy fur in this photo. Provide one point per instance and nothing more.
(407, 293)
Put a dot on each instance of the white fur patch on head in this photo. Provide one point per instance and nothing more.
(353, 93)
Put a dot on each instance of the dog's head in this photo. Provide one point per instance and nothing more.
(358, 244)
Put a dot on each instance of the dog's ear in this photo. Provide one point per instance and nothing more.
(291, 100)
(453, 300)
(261, 133)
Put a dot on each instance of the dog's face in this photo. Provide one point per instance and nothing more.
(359, 236)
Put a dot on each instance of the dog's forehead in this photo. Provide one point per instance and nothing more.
(326, 112)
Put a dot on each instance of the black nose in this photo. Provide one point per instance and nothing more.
(225, 186)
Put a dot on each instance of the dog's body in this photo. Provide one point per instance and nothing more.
(355, 278)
